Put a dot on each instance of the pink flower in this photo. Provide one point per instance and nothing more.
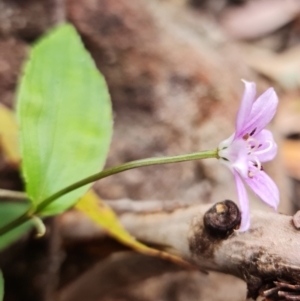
(250, 146)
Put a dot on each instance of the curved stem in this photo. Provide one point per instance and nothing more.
(39, 225)
(103, 174)
(123, 167)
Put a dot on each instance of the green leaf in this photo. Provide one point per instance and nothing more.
(9, 211)
(65, 118)
(1, 286)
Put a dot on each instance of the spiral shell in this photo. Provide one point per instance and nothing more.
(222, 218)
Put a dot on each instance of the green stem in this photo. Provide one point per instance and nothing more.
(105, 173)
(126, 166)
(16, 223)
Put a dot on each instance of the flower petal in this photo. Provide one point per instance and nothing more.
(265, 188)
(268, 148)
(226, 143)
(263, 110)
(244, 203)
(237, 156)
(234, 154)
(245, 108)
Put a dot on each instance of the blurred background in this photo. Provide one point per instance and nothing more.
(174, 70)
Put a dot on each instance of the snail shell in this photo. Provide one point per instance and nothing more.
(222, 218)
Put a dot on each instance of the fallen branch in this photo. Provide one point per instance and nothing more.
(268, 252)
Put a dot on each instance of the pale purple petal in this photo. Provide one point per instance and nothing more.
(245, 108)
(263, 110)
(267, 148)
(226, 143)
(265, 188)
(237, 156)
(244, 203)
(263, 136)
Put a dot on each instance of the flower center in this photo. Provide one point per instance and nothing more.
(253, 146)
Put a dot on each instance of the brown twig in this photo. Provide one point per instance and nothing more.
(267, 252)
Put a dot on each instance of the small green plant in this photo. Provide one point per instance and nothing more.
(65, 121)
